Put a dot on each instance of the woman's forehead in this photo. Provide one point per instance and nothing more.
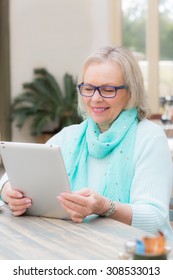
(103, 70)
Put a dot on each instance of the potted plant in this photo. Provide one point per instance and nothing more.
(50, 108)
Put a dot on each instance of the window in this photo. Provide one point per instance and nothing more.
(134, 31)
(5, 129)
(134, 26)
(166, 48)
(147, 29)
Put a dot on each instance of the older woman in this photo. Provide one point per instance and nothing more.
(118, 162)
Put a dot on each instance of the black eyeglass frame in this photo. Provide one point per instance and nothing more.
(116, 88)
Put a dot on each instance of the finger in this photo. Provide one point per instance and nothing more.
(14, 193)
(76, 217)
(19, 213)
(19, 202)
(15, 208)
(72, 205)
(73, 197)
(84, 192)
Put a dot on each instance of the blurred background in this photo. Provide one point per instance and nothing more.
(57, 35)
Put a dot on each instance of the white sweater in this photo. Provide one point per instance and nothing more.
(153, 179)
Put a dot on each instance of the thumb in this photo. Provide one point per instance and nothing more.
(14, 193)
(84, 192)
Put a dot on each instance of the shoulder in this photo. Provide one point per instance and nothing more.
(65, 134)
(150, 136)
(147, 129)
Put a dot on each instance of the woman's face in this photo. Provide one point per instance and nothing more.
(105, 110)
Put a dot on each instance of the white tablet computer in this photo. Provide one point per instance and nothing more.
(38, 171)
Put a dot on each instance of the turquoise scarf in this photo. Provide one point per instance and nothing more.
(119, 140)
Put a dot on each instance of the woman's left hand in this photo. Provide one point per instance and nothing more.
(82, 203)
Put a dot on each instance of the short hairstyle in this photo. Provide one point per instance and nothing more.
(132, 77)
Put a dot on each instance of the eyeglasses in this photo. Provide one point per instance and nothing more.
(88, 90)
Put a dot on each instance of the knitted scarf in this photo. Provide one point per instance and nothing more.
(119, 140)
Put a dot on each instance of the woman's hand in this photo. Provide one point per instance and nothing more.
(82, 203)
(15, 200)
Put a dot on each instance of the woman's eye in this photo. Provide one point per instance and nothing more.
(88, 89)
(109, 90)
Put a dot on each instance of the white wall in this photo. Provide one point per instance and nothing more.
(56, 34)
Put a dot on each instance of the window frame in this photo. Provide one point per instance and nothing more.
(5, 125)
(152, 45)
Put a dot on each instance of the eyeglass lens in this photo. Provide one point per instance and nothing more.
(105, 91)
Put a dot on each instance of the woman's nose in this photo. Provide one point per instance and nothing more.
(97, 96)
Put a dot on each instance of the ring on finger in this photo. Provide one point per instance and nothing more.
(11, 207)
(83, 217)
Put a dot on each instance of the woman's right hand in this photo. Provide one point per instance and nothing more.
(15, 200)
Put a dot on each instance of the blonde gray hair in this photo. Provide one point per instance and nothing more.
(132, 77)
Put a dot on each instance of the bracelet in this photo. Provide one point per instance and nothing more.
(110, 211)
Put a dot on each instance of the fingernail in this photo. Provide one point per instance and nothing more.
(19, 195)
(27, 201)
(29, 205)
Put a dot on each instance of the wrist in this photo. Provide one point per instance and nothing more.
(2, 191)
(110, 210)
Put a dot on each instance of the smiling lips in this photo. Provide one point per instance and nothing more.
(99, 110)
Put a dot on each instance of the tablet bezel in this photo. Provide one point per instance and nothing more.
(38, 171)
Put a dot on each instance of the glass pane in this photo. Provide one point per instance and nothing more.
(166, 47)
(134, 26)
(166, 30)
(134, 32)
(166, 59)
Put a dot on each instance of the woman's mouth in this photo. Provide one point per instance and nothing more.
(99, 110)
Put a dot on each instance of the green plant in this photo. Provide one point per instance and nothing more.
(45, 102)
